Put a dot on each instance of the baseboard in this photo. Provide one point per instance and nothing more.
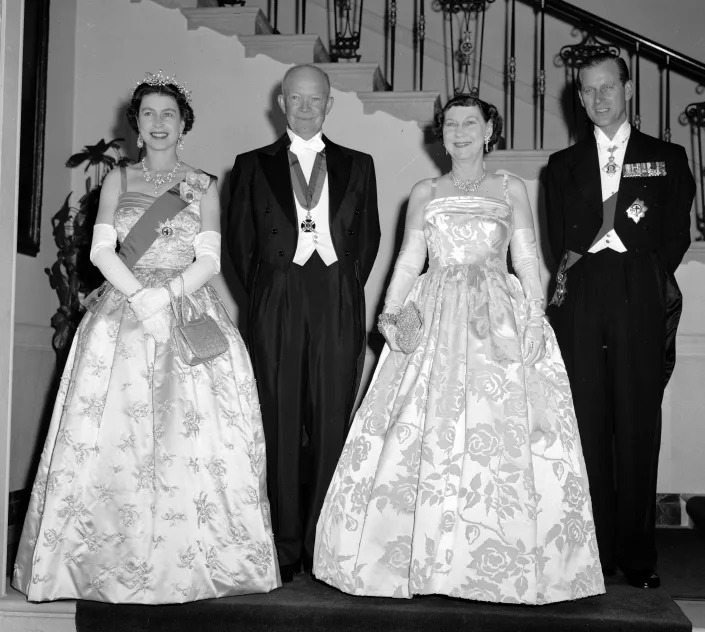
(17, 508)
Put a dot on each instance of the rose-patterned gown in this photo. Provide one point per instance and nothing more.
(151, 487)
(463, 473)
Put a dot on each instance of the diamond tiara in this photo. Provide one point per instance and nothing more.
(160, 79)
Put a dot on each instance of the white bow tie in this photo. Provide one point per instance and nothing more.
(315, 144)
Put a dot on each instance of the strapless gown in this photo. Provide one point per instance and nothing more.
(462, 473)
(151, 487)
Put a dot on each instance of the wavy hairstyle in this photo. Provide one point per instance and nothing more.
(489, 113)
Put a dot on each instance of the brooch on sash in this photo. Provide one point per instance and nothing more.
(194, 186)
(644, 169)
(637, 210)
(166, 229)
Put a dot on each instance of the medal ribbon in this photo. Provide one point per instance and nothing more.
(308, 194)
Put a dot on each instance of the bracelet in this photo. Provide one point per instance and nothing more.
(131, 297)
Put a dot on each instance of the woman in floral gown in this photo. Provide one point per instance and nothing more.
(463, 473)
(151, 487)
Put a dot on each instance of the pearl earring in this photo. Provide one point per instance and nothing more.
(140, 142)
(180, 142)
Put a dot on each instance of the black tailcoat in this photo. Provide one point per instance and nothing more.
(307, 346)
(617, 328)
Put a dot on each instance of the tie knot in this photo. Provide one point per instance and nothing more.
(313, 144)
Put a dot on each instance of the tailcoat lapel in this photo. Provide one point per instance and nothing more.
(275, 165)
(585, 169)
(338, 164)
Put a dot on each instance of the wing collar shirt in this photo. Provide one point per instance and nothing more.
(610, 183)
(319, 240)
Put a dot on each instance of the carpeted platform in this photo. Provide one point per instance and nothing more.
(310, 606)
(682, 562)
(306, 605)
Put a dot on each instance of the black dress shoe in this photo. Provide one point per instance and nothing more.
(287, 572)
(643, 579)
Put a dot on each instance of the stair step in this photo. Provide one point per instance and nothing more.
(407, 106)
(184, 4)
(355, 77)
(288, 49)
(228, 20)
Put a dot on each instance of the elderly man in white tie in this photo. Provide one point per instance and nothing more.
(303, 235)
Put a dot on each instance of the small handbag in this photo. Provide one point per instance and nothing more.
(197, 340)
(409, 325)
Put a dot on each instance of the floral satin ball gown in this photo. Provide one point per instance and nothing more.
(151, 487)
(462, 473)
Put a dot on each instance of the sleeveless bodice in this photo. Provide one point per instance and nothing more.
(173, 247)
(465, 230)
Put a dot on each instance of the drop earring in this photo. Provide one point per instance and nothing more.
(140, 142)
(180, 142)
(487, 144)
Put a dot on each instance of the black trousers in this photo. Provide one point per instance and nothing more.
(305, 336)
(611, 332)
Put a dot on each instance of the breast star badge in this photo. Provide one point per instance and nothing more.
(637, 210)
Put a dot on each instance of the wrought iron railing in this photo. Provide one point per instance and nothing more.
(464, 33)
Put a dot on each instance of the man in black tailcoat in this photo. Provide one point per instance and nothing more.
(303, 234)
(618, 208)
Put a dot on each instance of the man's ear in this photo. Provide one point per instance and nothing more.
(329, 105)
(282, 103)
(628, 90)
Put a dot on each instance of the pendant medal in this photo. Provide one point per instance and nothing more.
(611, 167)
(308, 225)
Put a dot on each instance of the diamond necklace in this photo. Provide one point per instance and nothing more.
(468, 186)
(158, 178)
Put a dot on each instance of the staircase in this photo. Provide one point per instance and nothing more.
(250, 25)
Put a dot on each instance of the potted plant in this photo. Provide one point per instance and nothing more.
(73, 276)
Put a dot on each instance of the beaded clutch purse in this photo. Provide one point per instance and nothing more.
(409, 325)
(197, 340)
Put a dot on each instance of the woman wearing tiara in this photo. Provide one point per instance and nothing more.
(151, 487)
(462, 473)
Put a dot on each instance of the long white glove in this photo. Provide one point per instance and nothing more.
(407, 268)
(525, 261)
(157, 326)
(206, 265)
(105, 258)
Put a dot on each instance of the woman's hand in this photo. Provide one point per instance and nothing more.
(388, 328)
(534, 347)
(149, 301)
(157, 326)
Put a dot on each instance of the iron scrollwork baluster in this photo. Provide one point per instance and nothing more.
(347, 37)
(464, 54)
(420, 39)
(392, 22)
